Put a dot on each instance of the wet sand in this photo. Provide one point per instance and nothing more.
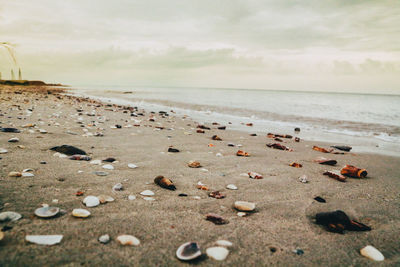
(283, 220)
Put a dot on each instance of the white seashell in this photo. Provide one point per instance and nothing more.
(149, 198)
(128, 240)
(217, 253)
(108, 167)
(224, 243)
(91, 201)
(104, 239)
(3, 151)
(372, 253)
(241, 214)
(44, 239)
(218, 155)
(13, 140)
(42, 131)
(244, 206)
(47, 212)
(188, 251)
(104, 199)
(96, 162)
(27, 174)
(131, 197)
(147, 193)
(231, 187)
(80, 213)
(9, 216)
(27, 170)
(132, 166)
(303, 179)
(118, 187)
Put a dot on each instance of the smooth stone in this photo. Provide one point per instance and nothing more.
(118, 187)
(96, 162)
(91, 201)
(149, 198)
(231, 187)
(99, 173)
(132, 166)
(104, 239)
(223, 243)
(128, 240)
(43, 131)
(303, 179)
(27, 174)
(147, 193)
(47, 240)
(13, 140)
(131, 197)
(47, 212)
(188, 251)
(372, 253)
(217, 253)
(108, 167)
(15, 174)
(9, 216)
(104, 199)
(3, 151)
(244, 206)
(80, 213)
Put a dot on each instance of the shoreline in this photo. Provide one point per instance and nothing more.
(285, 208)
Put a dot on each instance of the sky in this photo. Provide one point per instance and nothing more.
(342, 45)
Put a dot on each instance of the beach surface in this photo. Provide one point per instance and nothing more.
(285, 208)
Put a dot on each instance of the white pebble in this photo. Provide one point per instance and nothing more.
(372, 253)
(217, 253)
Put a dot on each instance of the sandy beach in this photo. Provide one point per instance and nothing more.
(285, 207)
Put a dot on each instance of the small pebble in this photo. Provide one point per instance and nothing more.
(231, 187)
(131, 197)
(118, 187)
(104, 239)
(147, 193)
(132, 166)
(91, 201)
(217, 253)
(224, 243)
(128, 240)
(108, 167)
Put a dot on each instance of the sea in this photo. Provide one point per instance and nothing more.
(370, 123)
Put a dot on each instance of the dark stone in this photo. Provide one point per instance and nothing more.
(109, 160)
(173, 150)
(68, 150)
(320, 199)
(10, 130)
(343, 148)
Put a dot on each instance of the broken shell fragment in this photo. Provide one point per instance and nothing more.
(244, 206)
(321, 149)
(325, 161)
(335, 175)
(296, 165)
(91, 201)
(217, 253)
(216, 137)
(132, 166)
(241, 153)
(128, 240)
(216, 219)
(118, 187)
(80, 213)
(11, 216)
(372, 253)
(104, 199)
(47, 212)
(202, 186)
(354, 172)
(216, 194)
(47, 240)
(254, 175)
(3, 151)
(194, 164)
(278, 146)
(188, 251)
(164, 182)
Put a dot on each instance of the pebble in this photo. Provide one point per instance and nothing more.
(80, 213)
(47, 240)
(91, 201)
(231, 187)
(303, 179)
(149, 198)
(47, 212)
(241, 214)
(15, 174)
(218, 155)
(13, 140)
(224, 243)
(298, 251)
(217, 253)
(104, 239)
(131, 197)
(147, 193)
(96, 162)
(128, 240)
(42, 131)
(188, 251)
(118, 187)
(99, 173)
(9, 216)
(372, 253)
(132, 166)
(244, 206)
(108, 167)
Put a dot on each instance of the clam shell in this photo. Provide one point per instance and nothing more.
(104, 199)
(244, 206)
(9, 216)
(231, 187)
(217, 253)
(128, 240)
(188, 251)
(3, 151)
(91, 201)
(147, 193)
(372, 253)
(108, 167)
(44, 239)
(80, 213)
(47, 212)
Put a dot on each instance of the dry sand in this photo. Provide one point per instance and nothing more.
(285, 207)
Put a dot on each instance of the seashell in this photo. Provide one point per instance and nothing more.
(128, 240)
(9, 216)
(104, 239)
(80, 157)
(303, 179)
(149, 198)
(29, 125)
(132, 166)
(216, 137)
(100, 173)
(223, 243)
(343, 148)
(47, 240)
(244, 206)
(104, 199)
(28, 170)
(80, 213)
(13, 140)
(164, 182)
(296, 165)
(335, 175)
(9, 130)
(231, 187)
(278, 146)
(21, 146)
(241, 214)
(108, 167)
(188, 251)
(96, 162)
(372, 253)
(15, 174)
(3, 151)
(321, 149)
(91, 201)
(147, 193)
(254, 175)
(131, 197)
(118, 187)
(27, 174)
(47, 212)
(217, 253)
(194, 164)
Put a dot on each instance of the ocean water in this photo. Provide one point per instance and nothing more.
(368, 122)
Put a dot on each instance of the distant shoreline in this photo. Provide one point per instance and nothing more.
(28, 83)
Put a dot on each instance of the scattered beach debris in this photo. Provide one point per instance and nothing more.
(354, 172)
(320, 199)
(164, 182)
(216, 219)
(271, 135)
(9, 130)
(104, 239)
(9, 216)
(80, 213)
(298, 251)
(343, 148)
(241, 153)
(323, 150)
(335, 175)
(91, 201)
(47, 240)
(188, 251)
(254, 175)
(80, 157)
(217, 253)
(216, 194)
(147, 193)
(47, 212)
(68, 150)
(372, 253)
(303, 179)
(244, 206)
(279, 146)
(231, 187)
(338, 221)
(296, 165)
(325, 161)
(194, 164)
(216, 138)
(128, 240)
(173, 150)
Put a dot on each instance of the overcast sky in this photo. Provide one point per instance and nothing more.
(304, 45)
